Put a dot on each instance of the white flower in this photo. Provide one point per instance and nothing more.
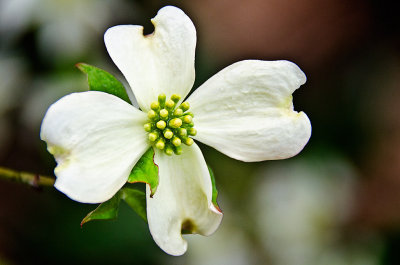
(305, 203)
(79, 21)
(245, 111)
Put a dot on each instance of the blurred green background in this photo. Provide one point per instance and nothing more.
(337, 202)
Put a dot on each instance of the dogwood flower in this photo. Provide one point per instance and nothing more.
(245, 111)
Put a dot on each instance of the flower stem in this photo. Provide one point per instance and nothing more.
(31, 179)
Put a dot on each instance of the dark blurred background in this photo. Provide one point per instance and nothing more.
(337, 202)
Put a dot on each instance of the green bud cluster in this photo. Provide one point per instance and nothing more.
(170, 125)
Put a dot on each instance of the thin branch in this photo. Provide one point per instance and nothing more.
(31, 179)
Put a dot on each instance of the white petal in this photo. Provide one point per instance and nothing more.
(184, 195)
(246, 112)
(162, 62)
(96, 139)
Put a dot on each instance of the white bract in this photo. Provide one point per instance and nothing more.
(245, 111)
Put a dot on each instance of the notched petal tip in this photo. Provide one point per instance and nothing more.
(188, 227)
(191, 226)
(113, 35)
(305, 131)
(299, 134)
(150, 63)
(295, 70)
(93, 163)
(252, 98)
(183, 201)
(168, 12)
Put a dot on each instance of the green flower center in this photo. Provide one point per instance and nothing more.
(170, 125)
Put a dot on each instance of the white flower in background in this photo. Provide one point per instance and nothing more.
(43, 91)
(297, 215)
(229, 245)
(245, 111)
(304, 205)
(65, 28)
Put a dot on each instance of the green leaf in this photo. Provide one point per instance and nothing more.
(136, 199)
(106, 211)
(214, 188)
(100, 80)
(146, 171)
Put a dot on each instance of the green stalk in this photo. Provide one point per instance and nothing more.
(31, 179)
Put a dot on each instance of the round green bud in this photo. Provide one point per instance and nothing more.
(169, 104)
(161, 125)
(175, 98)
(190, 113)
(161, 99)
(168, 134)
(192, 131)
(176, 141)
(153, 136)
(178, 150)
(187, 119)
(175, 123)
(169, 150)
(189, 141)
(152, 115)
(182, 132)
(147, 127)
(160, 144)
(155, 105)
(184, 106)
(178, 112)
(164, 114)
